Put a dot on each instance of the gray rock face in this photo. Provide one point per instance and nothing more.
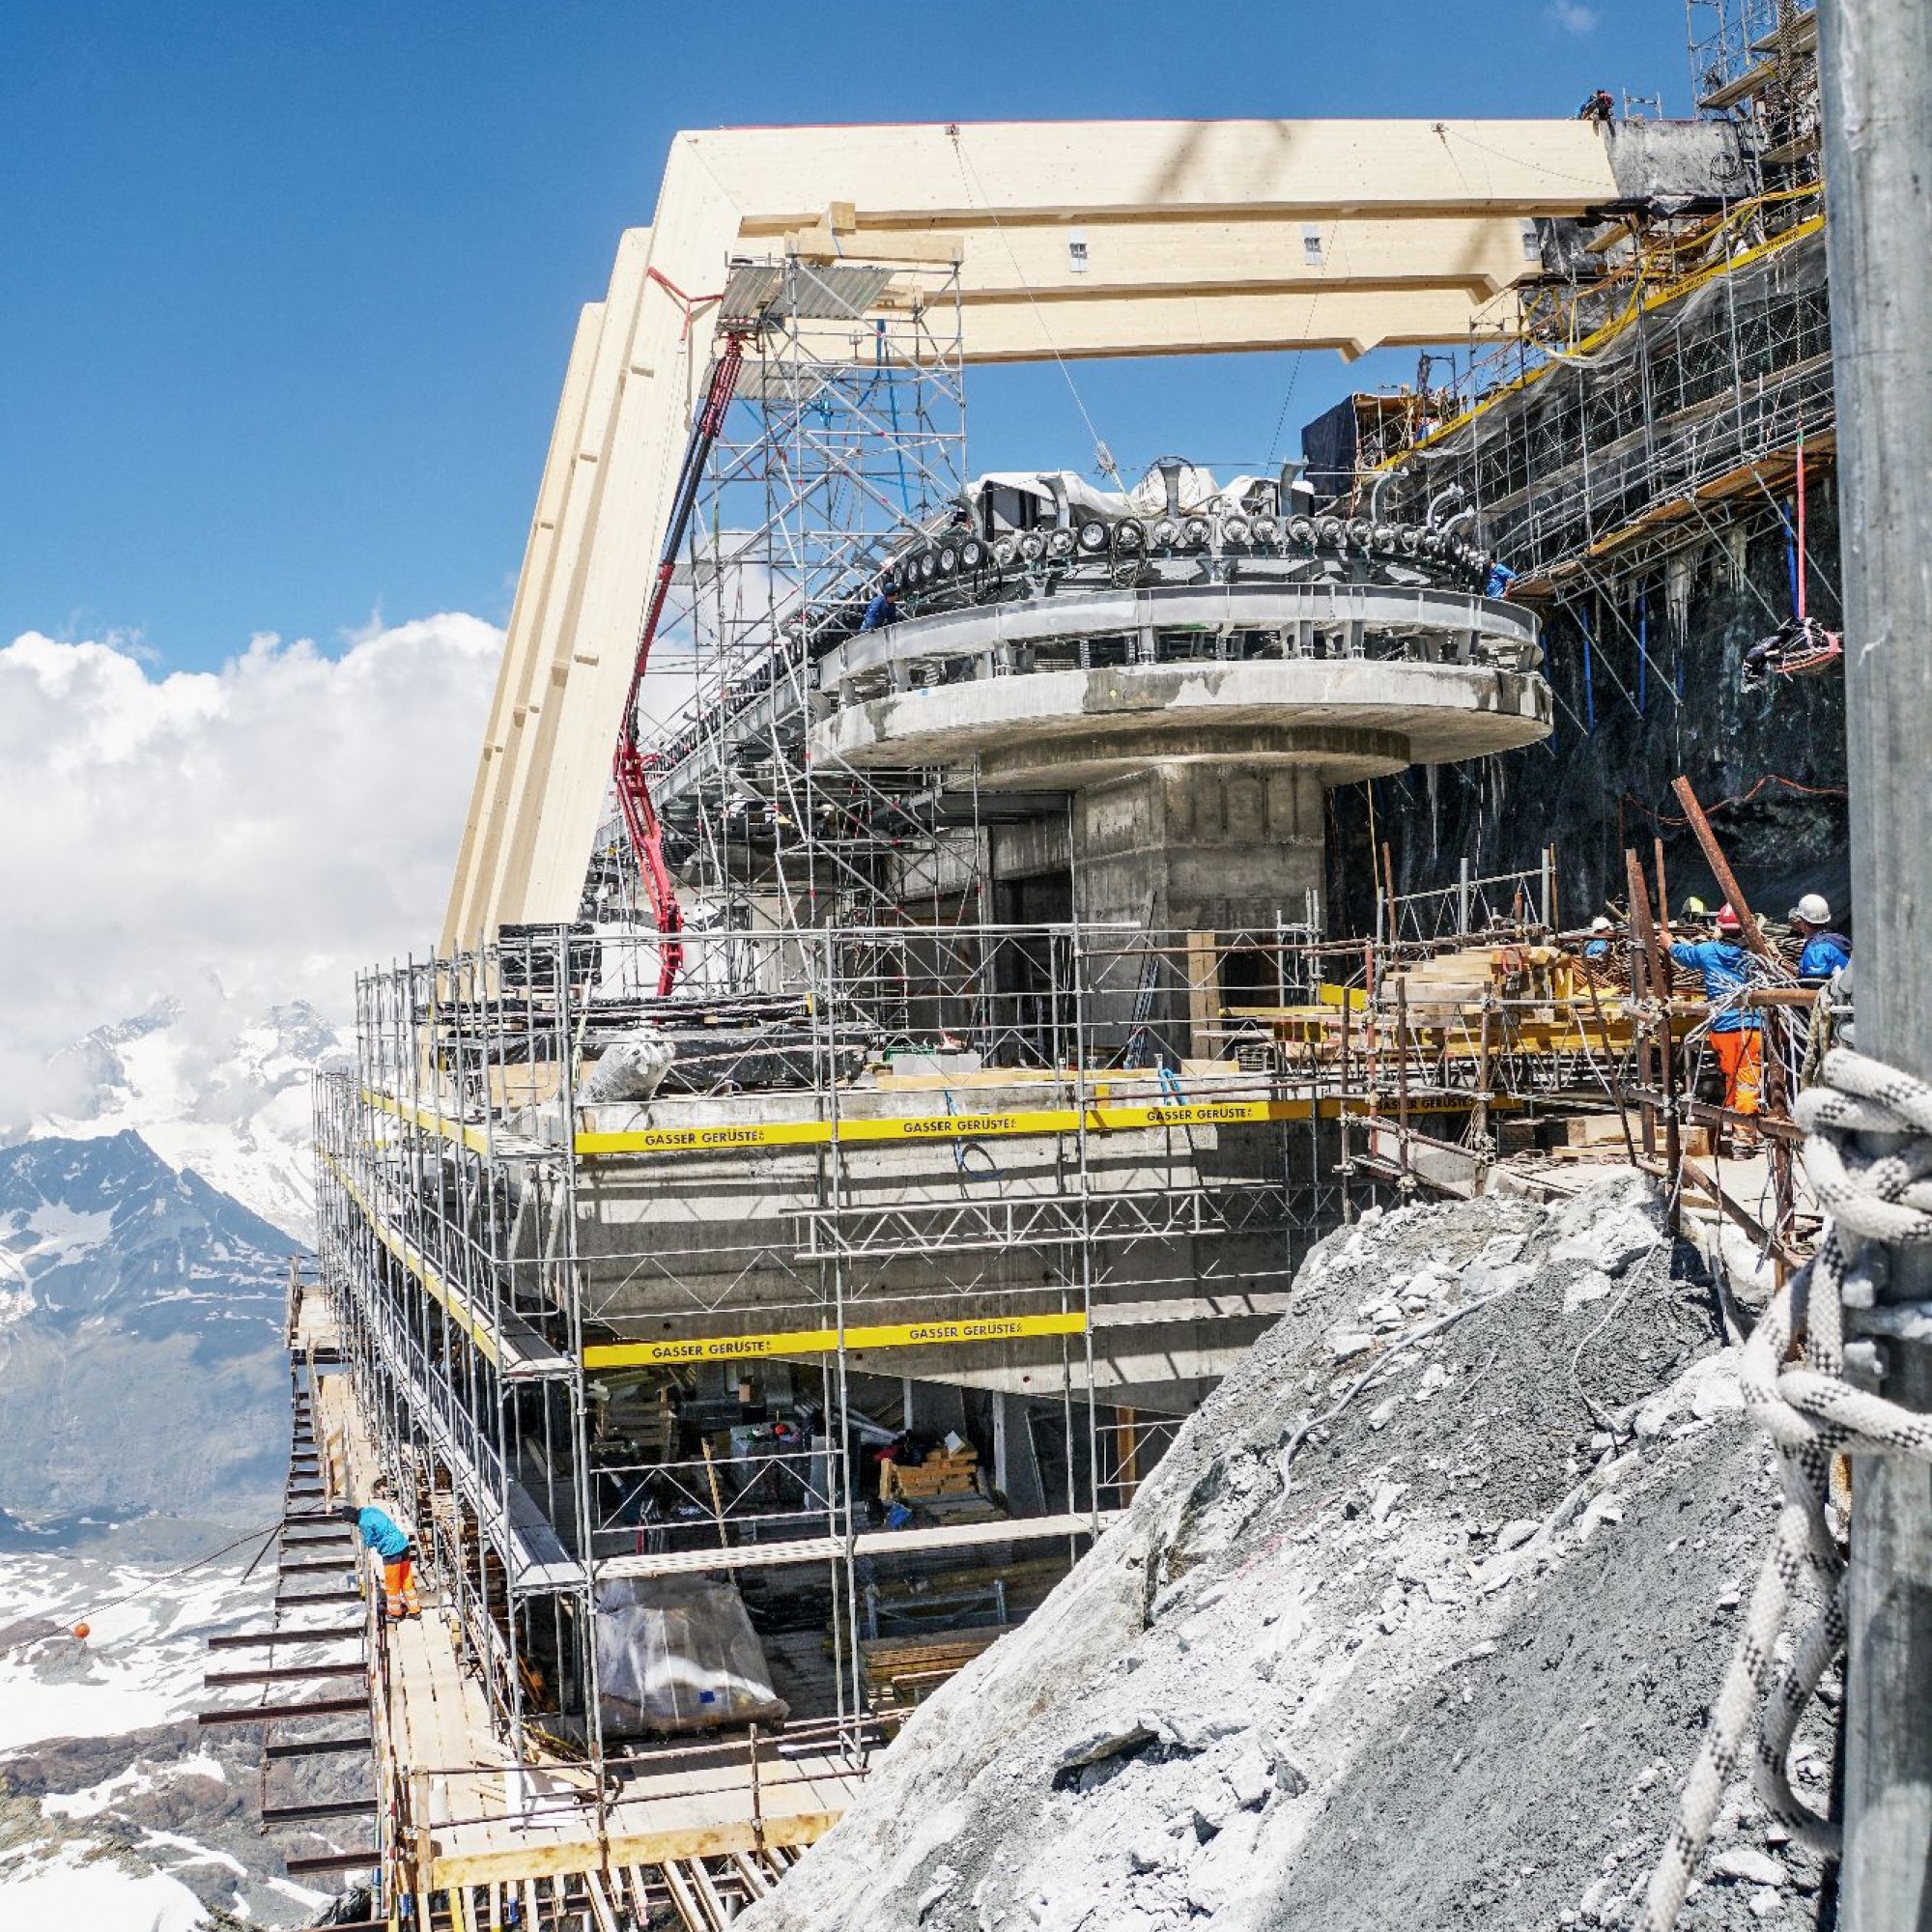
(141, 1364)
(1310, 1679)
(1506, 810)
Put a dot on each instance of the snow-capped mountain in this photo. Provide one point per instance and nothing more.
(141, 1353)
(209, 1085)
(144, 1430)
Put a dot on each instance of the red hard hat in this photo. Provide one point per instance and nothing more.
(1727, 919)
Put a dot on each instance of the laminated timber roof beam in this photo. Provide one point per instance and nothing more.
(1213, 320)
(1025, 261)
(1197, 235)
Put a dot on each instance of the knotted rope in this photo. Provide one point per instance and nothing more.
(1874, 1200)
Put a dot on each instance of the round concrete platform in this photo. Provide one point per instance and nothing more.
(1343, 717)
(1346, 681)
(1316, 619)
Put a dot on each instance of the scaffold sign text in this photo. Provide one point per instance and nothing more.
(825, 1341)
(1099, 1119)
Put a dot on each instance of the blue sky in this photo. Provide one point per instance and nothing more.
(285, 290)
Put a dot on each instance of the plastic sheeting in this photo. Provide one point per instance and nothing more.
(630, 1068)
(679, 1653)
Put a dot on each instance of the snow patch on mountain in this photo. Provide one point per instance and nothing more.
(145, 1652)
(136, 1780)
(73, 1885)
(117, 1811)
(210, 1085)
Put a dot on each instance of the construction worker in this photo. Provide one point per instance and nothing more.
(1735, 1036)
(1822, 951)
(1599, 107)
(880, 612)
(390, 1544)
(1596, 948)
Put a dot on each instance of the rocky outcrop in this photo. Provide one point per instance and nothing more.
(1625, 728)
(1416, 1624)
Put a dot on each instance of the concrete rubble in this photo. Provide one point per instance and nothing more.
(1415, 1625)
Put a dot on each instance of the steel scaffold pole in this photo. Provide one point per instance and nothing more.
(1876, 84)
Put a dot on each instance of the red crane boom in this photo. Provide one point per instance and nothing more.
(634, 793)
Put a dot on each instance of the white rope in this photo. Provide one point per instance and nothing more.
(1812, 1412)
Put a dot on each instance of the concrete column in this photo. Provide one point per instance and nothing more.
(1219, 847)
(1016, 1471)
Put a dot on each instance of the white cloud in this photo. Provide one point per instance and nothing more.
(1573, 17)
(275, 824)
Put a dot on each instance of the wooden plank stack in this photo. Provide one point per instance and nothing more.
(952, 1474)
(898, 1672)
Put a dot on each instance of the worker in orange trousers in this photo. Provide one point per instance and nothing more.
(382, 1534)
(1735, 1034)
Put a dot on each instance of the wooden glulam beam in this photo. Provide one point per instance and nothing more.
(1095, 259)
(1186, 226)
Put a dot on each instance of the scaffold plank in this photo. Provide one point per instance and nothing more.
(743, 1556)
(870, 1542)
(915, 1127)
(911, 1130)
(1235, 1307)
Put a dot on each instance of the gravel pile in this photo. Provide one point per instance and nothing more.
(1416, 1624)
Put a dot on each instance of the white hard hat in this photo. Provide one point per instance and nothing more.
(1814, 909)
(1600, 925)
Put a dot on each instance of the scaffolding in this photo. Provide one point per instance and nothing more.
(885, 1169)
(1652, 387)
(853, 1279)
(845, 431)
(1694, 394)
(1759, 60)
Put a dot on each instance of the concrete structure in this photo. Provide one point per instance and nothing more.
(1074, 239)
(1031, 1170)
(1196, 726)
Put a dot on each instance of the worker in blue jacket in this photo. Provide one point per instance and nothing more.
(1725, 967)
(1824, 951)
(392, 1547)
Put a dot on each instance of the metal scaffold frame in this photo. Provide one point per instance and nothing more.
(882, 1161)
(1657, 385)
(845, 431)
(499, 1252)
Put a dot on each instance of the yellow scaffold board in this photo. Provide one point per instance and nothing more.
(452, 1301)
(1097, 1120)
(466, 1133)
(823, 1341)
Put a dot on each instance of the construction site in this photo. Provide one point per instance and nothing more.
(935, 951)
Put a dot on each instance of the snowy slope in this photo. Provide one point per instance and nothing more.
(144, 1657)
(117, 1813)
(210, 1085)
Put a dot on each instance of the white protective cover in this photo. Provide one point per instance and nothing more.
(679, 1653)
(630, 1069)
